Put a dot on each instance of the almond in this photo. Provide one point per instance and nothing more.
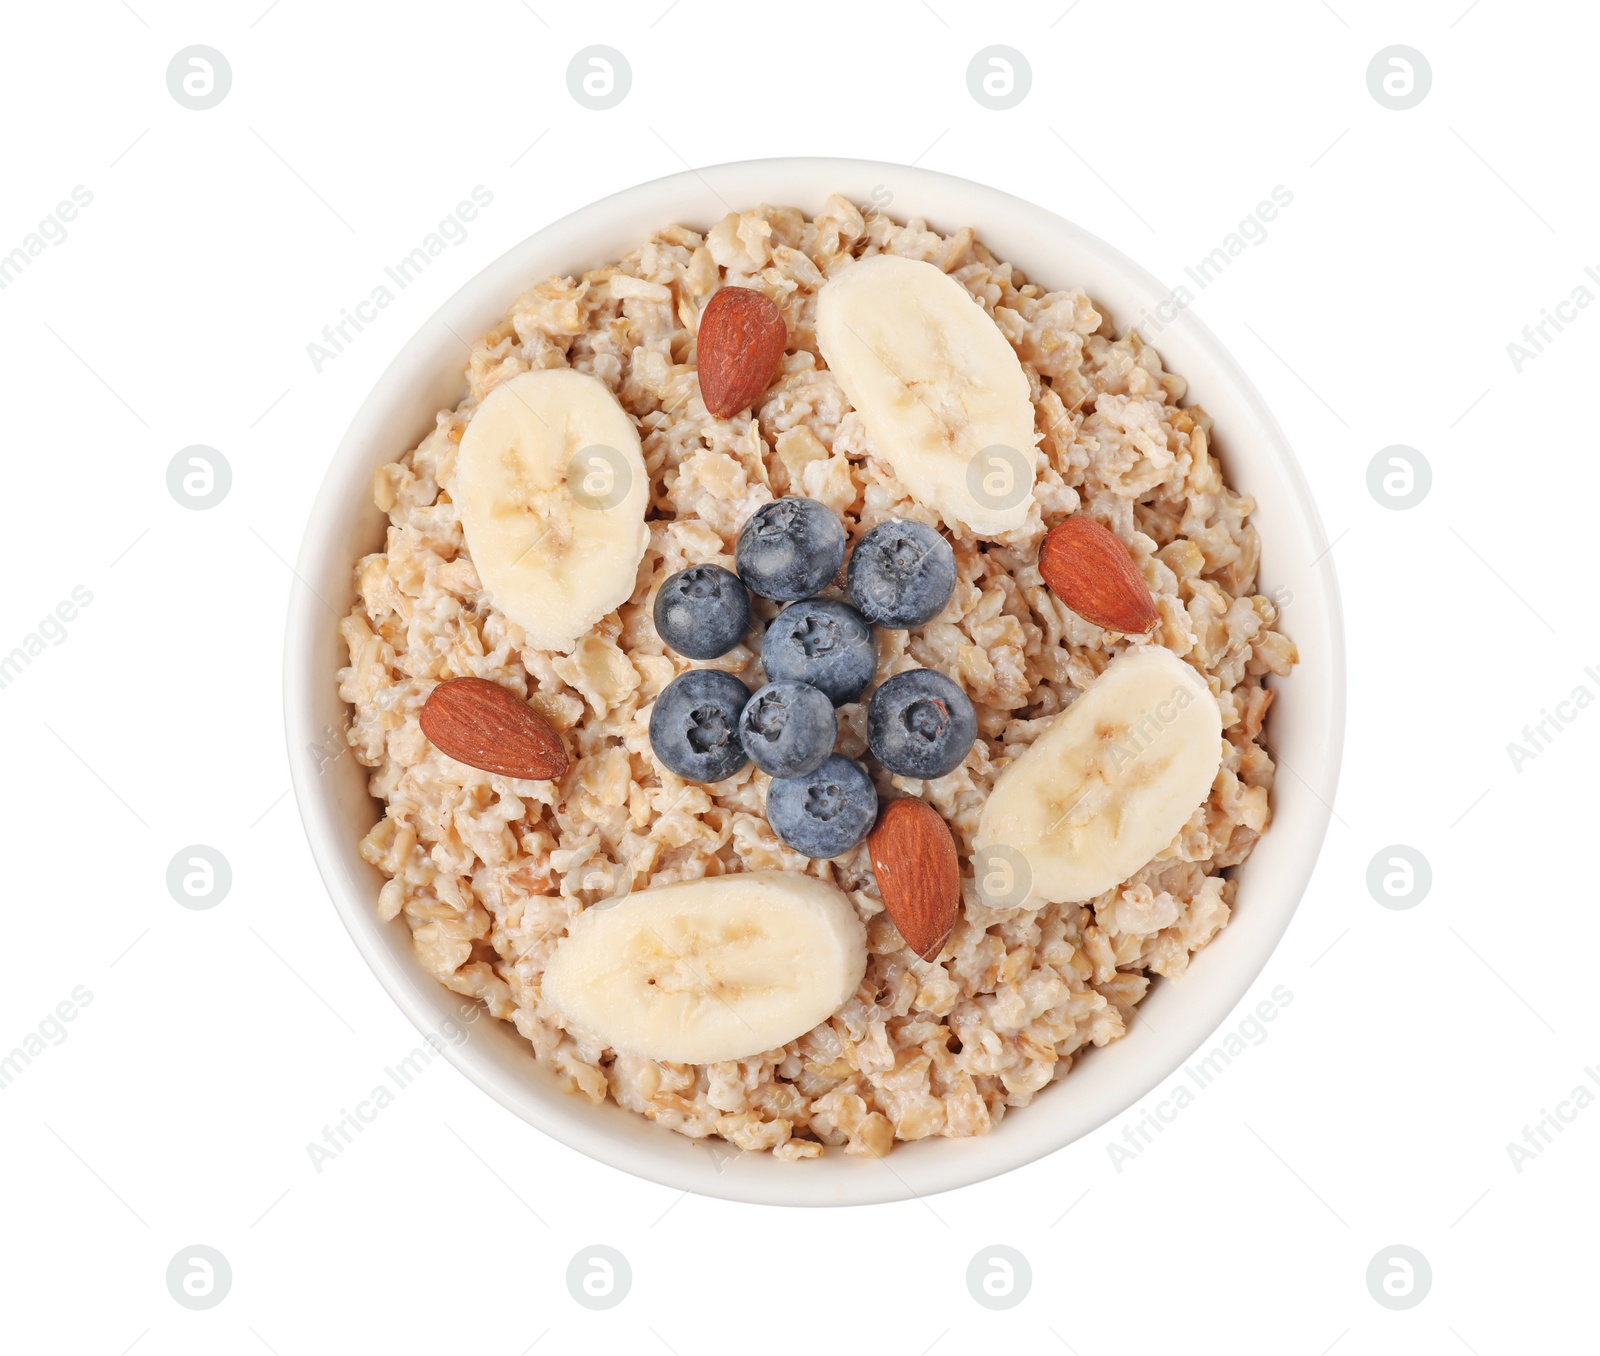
(1089, 569)
(741, 342)
(485, 726)
(919, 878)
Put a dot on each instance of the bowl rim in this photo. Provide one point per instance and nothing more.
(411, 988)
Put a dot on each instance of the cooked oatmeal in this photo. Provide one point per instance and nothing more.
(488, 871)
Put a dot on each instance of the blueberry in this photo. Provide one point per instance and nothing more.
(824, 643)
(826, 812)
(920, 724)
(789, 549)
(902, 574)
(702, 612)
(694, 728)
(788, 729)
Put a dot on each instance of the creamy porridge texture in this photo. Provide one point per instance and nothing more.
(491, 872)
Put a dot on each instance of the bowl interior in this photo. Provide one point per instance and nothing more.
(1306, 728)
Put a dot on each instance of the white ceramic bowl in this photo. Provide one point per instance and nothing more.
(1306, 727)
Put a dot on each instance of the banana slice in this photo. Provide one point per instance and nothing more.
(552, 490)
(1109, 784)
(713, 969)
(939, 388)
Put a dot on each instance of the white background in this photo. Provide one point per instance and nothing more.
(1377, 311)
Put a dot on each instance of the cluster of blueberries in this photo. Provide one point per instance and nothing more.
(818, 654)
